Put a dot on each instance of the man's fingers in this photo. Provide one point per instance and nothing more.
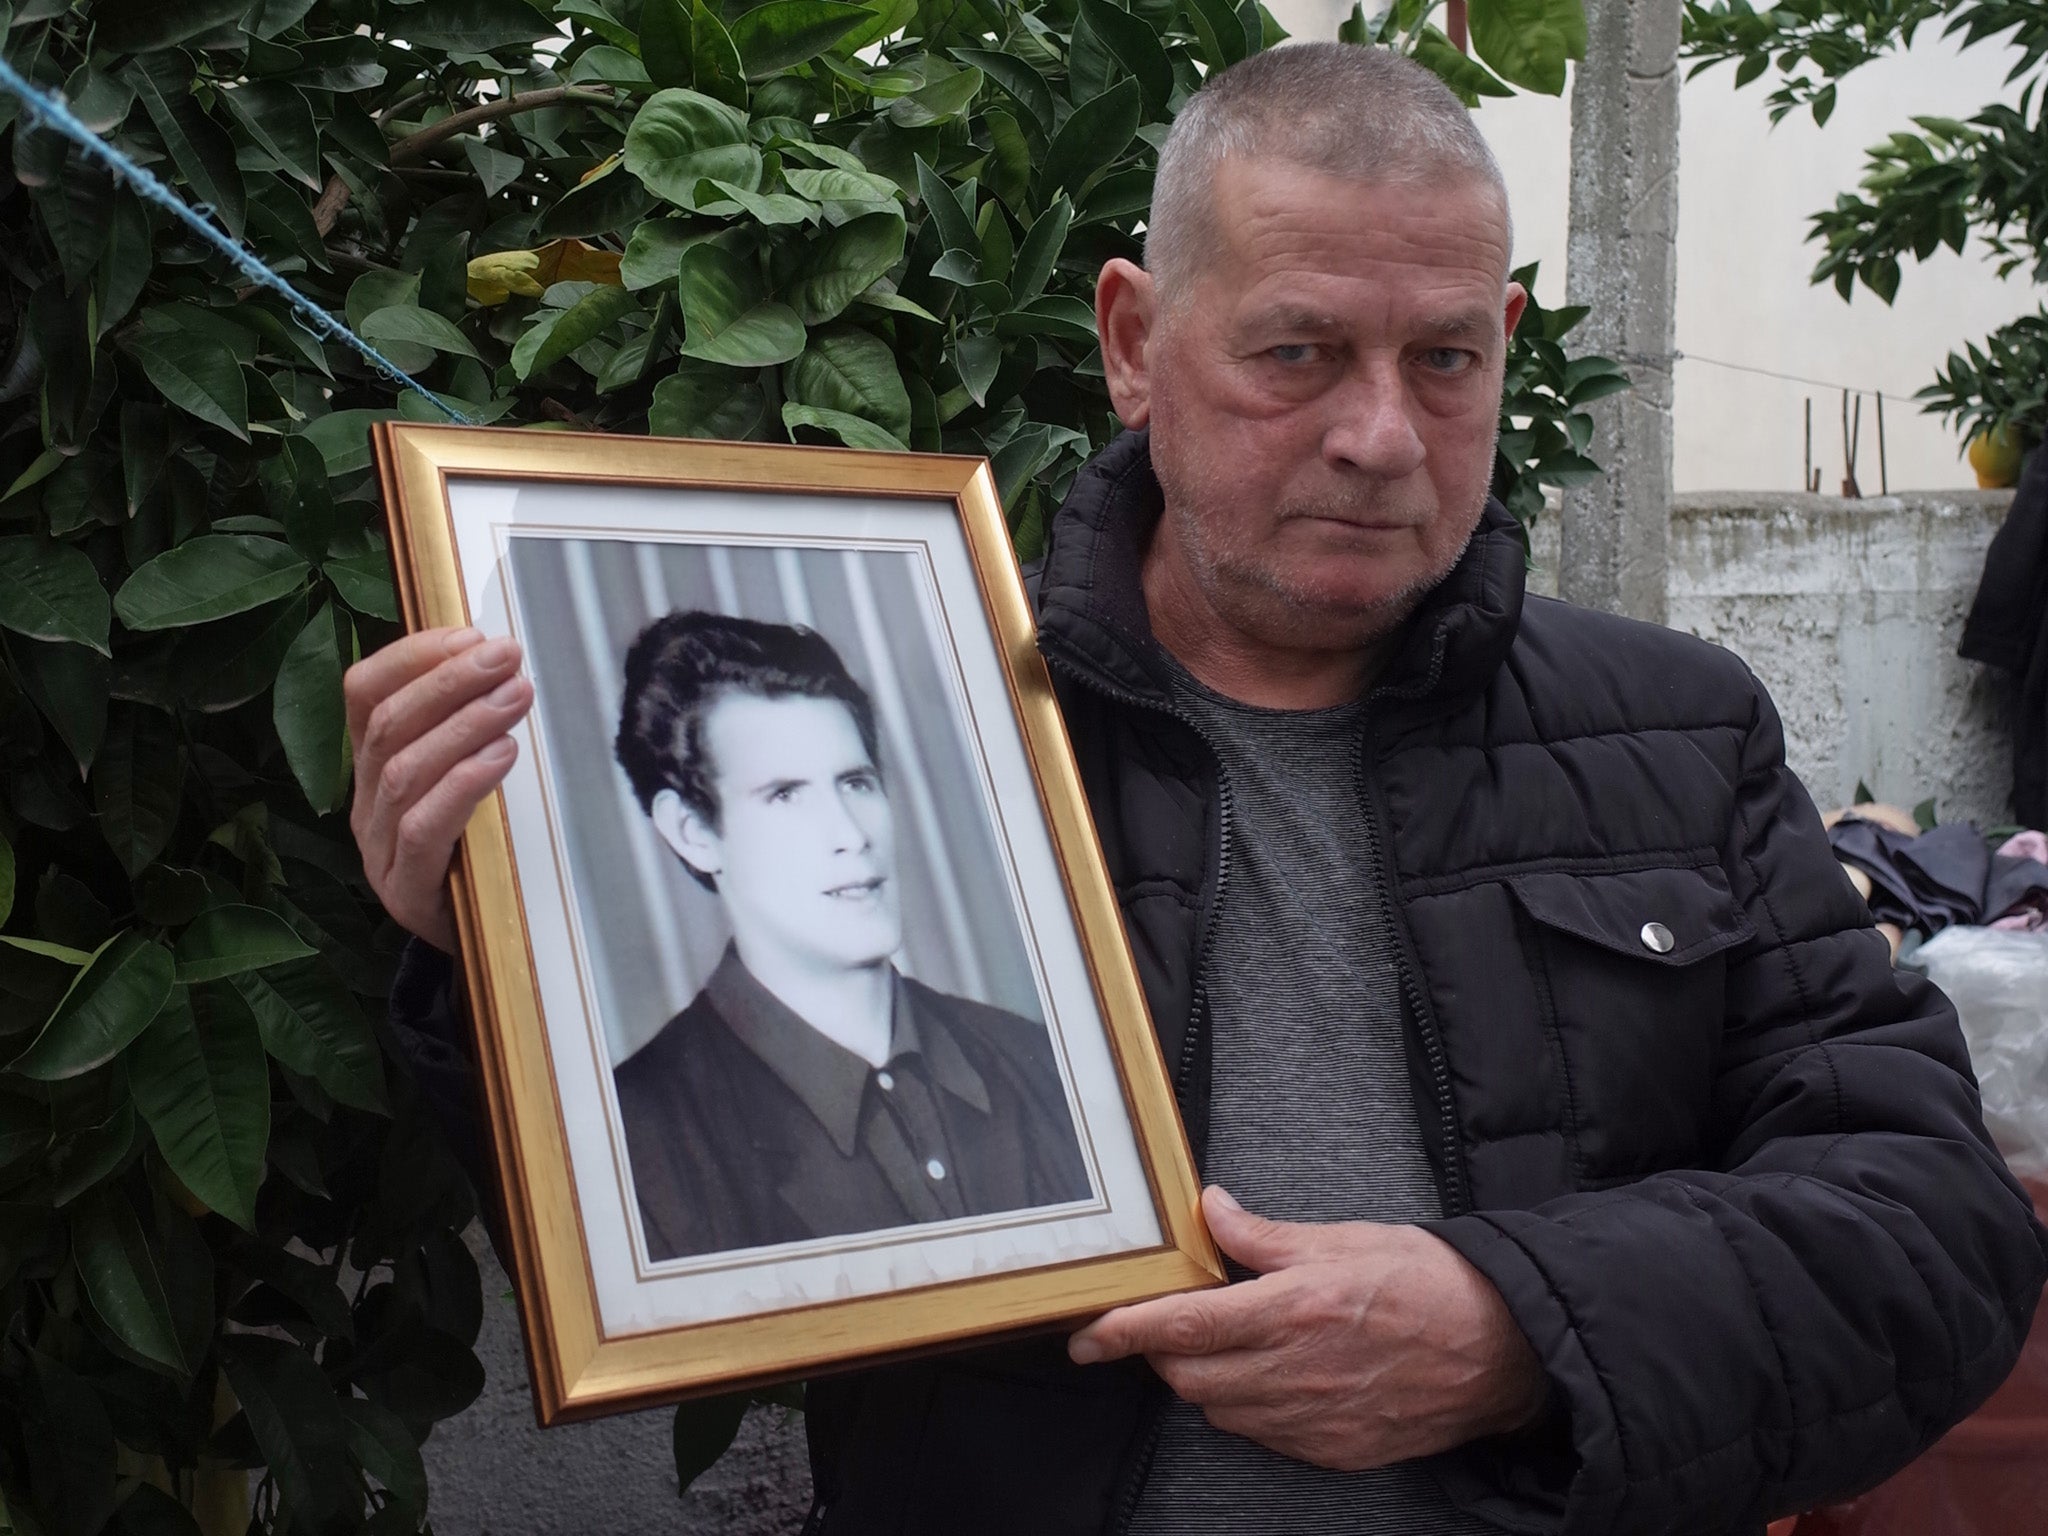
(382, 673)
(1260, 1245)
(1199, 1323)
(429, 699)
(1232, 1377)
(404, 778)
(423, 841)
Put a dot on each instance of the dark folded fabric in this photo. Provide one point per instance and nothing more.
(2008, 628)
(1944, 876)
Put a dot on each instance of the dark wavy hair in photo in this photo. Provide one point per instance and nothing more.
(685, 662)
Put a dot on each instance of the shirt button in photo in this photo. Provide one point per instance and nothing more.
(884, 1081)
(935, 1168)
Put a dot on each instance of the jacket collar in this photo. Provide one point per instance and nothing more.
(1092, 606)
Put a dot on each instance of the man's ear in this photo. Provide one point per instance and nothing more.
(1517, 301)
(687, 834)
(1125, 310)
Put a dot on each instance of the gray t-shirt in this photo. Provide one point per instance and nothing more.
(1310, 1117)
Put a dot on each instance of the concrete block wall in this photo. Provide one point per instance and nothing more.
(1848, 611)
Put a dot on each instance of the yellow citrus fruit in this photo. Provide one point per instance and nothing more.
(1995, 456)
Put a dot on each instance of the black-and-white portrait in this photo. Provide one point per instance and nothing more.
(813, 1083)
(817, 1011)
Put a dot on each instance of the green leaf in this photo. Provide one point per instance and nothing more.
(1026, 85)
(1137, 48)
(655, 250)
(1040, 251)
(124, 1278)
(1529, 42)
(764, 207)
(384, 1448)
(1464, 75)
(69, 1441)
(700, 400)
(471, 26)
(719, 72)
(298, 1425)
(77, 210)
(725, 318)
(137, 781)
(52, 592)
(195, 373)
(418, 327)
(495, 169)
(207, 578)
(109, 1003)
(311, 1023)
(310, 717)
(978, 358)
(851, 371)
(940, 102)
(144, 26)
(1092, 138)
(703, 1431)
(343, 438)
(364, 583)
(844, 263)
(380, 288)
(200, 147)
(230, 940)
(1054, 315)
(945, 209)
(842, 192)
(854, 431)
(279, 118)
(1218, 31)
(200, 1079)
(679, 138)
(665, 44)
(785, 33)
(70, 685)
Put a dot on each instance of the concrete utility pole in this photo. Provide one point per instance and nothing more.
(1622, 260)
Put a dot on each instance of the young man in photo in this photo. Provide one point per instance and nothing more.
(810, 1089)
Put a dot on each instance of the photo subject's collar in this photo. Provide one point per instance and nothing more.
(829, 1080)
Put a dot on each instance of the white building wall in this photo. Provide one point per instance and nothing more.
(1746, 191)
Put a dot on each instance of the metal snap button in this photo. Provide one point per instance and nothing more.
(1657, 939)
(935, 1168)
(884, 1081)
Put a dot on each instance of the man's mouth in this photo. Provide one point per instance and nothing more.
(856, 890)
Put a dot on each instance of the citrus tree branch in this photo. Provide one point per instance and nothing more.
(334, 196)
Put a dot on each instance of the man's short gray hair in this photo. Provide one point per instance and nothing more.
(1360, 112)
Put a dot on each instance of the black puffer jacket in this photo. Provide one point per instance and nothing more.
(1737, 1193)
(1736, 1190)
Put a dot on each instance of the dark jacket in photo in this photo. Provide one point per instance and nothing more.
(1736, 1190)
(746, 1127)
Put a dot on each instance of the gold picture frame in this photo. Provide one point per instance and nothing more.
(510, 530)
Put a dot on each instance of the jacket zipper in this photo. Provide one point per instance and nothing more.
(1450, 1145)
(1135, 1476)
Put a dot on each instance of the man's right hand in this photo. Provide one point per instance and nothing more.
(428, 715)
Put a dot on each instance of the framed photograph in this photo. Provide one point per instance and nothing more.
(808, 1026)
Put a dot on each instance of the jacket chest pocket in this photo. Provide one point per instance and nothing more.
(1631, 970)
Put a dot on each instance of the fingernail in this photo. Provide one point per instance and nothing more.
(1225, 1198)
(462, 640)
(506, 694)
(495, 654)
(499, 751)
(1083, 1350)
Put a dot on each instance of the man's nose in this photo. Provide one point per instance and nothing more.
(1372, 429)
(849, 834)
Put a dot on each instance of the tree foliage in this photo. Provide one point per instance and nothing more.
(229, 1233)
(1937, 185)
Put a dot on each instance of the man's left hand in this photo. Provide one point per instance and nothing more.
(1359, 1344)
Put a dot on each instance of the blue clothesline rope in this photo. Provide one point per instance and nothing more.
(42, 109)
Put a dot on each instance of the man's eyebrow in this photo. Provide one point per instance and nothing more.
(1470, 325)
(1291, 317)
(771, 786)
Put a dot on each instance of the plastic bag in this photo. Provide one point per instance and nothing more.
(1999, 983)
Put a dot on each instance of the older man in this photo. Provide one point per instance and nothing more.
(1606, 1178)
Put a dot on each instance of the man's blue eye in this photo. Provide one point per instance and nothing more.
(1449, 359)
(1293, 352)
